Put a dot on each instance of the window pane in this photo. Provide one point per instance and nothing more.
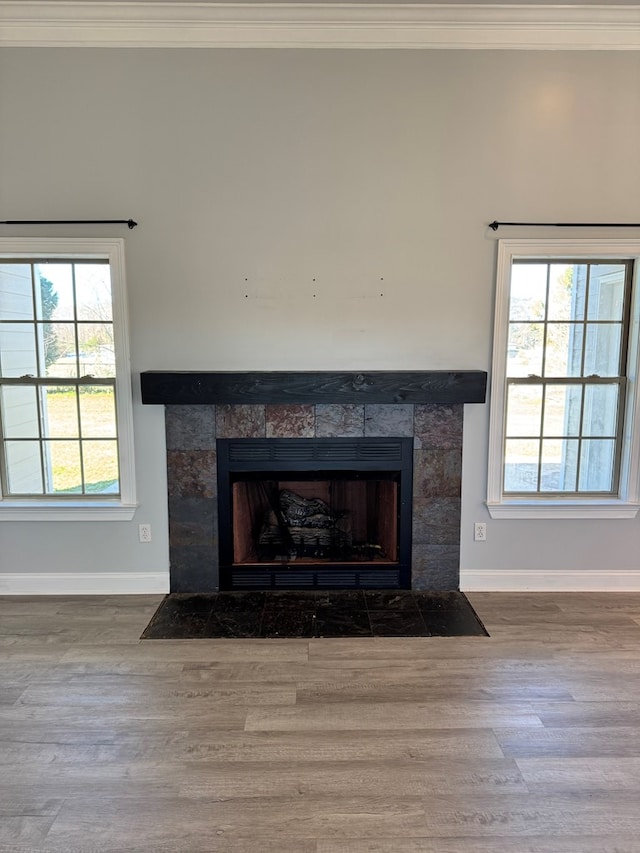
(93, 292)
(57, 325)
(58, 349)
(567, 290)
(19, 412)
(16, 292)
(97, 412)
(97, 354)
(55, 292)
(528, 291)
(62, 459)
(600, 410)
(101, 467)
(60, 412)
(563, 355)
(525, 349)
(521, 465)
(524, 410)
(602, 351)
(597, 465)
(567, 323)
(562, 410)
(24, 468)
(559, 465)
(606, 292)
(18, 350)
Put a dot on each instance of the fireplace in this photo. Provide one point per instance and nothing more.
(400, 516)
(315, 513)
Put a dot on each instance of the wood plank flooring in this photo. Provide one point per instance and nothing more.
(524, 742)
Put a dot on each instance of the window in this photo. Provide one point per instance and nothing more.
(564, 405)
(65, 394)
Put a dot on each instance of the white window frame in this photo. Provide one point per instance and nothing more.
(626, 503)
(123, 506)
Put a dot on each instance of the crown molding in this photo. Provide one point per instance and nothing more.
(153, 23)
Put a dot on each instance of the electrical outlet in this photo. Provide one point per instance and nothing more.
(144, 532)
(480, 531)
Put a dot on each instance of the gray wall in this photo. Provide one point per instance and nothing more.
(315, 210)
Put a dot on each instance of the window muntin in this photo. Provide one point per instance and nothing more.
(565, 376)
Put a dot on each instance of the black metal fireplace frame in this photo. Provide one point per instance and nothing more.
(314, 456)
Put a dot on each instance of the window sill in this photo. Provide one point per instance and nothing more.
(69, 511)
(613, 508)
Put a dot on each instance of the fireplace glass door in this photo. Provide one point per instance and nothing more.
(342, 526)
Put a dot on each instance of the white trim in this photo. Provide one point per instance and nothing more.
(160, 23)
(75, 583)
(563, 509)
(122, 509)
(547, 580)
(68, 511)
(627, 504)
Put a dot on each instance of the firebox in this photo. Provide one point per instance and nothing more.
(315, 513)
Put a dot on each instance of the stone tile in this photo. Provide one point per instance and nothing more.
(191, 461)
(435, 567)
(437, 473)
(454, 624)
(190, 427)
(349, 600)
(194, 568)
(291, 600)
(395, 623)
(233, 626)
(193, 521)
(387, 420)
(339, 421)
(240, 421)
(438, 425)
(192, 474)
(441, 602)
(290, 421)
(180, 616)
(390, 600)
(449, 614)
(253, 614)
(247, 603)
(288, 623)
(332, 621)
(436, 521)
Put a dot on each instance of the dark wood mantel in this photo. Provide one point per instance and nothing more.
(405, 386)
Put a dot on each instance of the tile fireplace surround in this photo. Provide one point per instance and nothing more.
(202, 407)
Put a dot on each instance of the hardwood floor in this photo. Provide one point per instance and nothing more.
(524, 742)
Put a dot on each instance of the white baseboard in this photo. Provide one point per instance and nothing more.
(76, 583)
(547, 580)
(471, 580)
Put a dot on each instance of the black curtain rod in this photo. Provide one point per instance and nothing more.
(128, 222)
(495, 224)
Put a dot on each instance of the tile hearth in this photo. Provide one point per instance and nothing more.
(352, 613)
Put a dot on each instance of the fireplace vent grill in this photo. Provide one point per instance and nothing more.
(248, 580)
(389, 579)
(341, 579)
(337, 580)
(315, 450)
(285, 580)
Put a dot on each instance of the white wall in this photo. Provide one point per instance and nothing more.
(317, 210)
